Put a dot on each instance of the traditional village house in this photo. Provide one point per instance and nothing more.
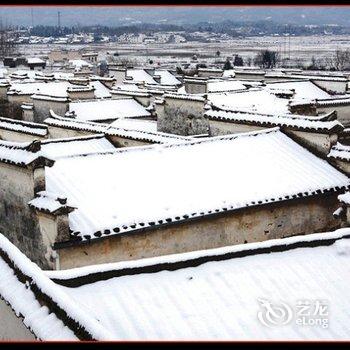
(296, 194)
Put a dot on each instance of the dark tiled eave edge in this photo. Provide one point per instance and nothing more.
(335, 128)
(78, 281)
(78, 329)
(24, 124)
(77, 239)
(39, 162)
(339, 158)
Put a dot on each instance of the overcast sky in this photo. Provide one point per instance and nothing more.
(90, 15)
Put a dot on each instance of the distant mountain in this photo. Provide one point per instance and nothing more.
(112, 16)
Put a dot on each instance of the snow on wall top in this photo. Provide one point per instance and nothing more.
(48, 202)
(340, 151)
(268, 120)
(18, 153)
(332, 101)
(220, 299)
(22, 299)
(119, 202)
(133, 133)
(98, 110)
(344, 198)
(70, 123)
(23, 126)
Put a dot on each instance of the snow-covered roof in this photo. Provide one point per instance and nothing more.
(289, 121)
(101, 91)
(125, 132)
(218, 294)
(50, 203)
(35, 60)
(332, 102)
(25, 127)
(57, 89)
(140, 75)
(102, 192)
(253, 100)
(225, 85)
(79, 64)
(135, 132)
(22, 154)
(21, 292)
(135, 124)
(99, 110)
(340, 151)
(67, 147)
(192, 97)
(303, 89)
(166, 78)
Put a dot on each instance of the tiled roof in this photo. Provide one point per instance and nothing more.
(293, 172)
(23, 154)
(340, 151)
(291, 121)
(216, 294)
(23, 126)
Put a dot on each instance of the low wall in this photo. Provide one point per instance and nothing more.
(253, 224)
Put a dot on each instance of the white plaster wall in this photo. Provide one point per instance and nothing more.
(11, 326)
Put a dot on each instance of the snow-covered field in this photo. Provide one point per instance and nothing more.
(301, 47)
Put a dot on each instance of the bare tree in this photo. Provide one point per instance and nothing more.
(266, 59)
(238, 61)
(7, 46)
(341, 59)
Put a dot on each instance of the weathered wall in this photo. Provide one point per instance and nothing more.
(144, 100)
(319, 143)
(42, 109)
(224, 128)
(118, 74)
(118, 141)
(183, 117)
(276, 220)
(57, 132)
(343, 113)
(12, 109)
(17, 221)
(3, 92)
(9, 135)
(11, 326)
(81, 95)
(28, 114)
(59, 55)
(342, 165)
(331, 86)
(195, 88)
(207, 74)
(247, 76)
